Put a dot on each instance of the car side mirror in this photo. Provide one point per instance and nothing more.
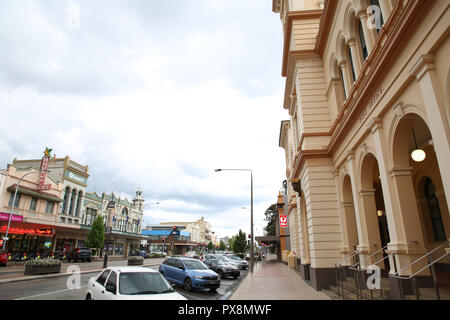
(111, 289)
(181, 267)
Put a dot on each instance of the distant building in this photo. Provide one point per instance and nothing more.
(122, 216)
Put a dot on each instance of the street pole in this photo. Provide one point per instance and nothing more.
(12, 209)
(252, 258)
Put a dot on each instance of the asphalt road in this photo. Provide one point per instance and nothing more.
(56, 289)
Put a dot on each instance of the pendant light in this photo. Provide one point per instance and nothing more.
(417, 154)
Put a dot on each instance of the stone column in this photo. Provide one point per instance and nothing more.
(424, 72)
(369, 34)
(357, 57)
(386, 9)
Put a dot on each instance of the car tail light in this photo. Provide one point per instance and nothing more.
(78, 250)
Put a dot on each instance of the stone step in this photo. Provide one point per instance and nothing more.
(430, 294)
(331, 294)
(350, 292)
(348, 295)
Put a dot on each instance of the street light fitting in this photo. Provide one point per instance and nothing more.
(217, 170)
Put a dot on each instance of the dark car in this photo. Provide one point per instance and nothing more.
(83, 254)
(3, 258)
(189, 273)
(222, 269)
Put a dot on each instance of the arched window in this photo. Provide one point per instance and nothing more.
(66, 200)
(435, 211)
(362, 41)
(343, 86)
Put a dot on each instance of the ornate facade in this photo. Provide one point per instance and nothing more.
(367, 83)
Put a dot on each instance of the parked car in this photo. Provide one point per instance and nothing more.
(83, 254)
(130, 283)
(192, 254)
(222, 269)
(3, 258)
(189, 273)
(242, 264)
(159, 253)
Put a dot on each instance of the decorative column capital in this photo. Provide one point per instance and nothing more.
(424, 64)
(396, 171)
(350, 155)
(375, 124)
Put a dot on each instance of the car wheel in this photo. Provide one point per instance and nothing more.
(213, 290)
(221, 274)
(236, 276)
(187, 284)
(88, 296)
(89, 260)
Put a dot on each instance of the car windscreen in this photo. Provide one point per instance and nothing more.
(194, 265)
(224, 259)
(135, 283)
(234, 258)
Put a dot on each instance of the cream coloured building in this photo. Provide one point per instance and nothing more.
(365, 87)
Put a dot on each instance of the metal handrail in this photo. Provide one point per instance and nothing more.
(376, 252)
(405, 245)
(442, 245)
(354, 254)
(427, 266)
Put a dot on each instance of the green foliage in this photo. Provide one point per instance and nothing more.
(96, 236)
(222, 246)
(210, 246)
(240, 243)
(271, 218)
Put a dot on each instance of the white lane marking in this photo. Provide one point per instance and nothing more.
(48, 293)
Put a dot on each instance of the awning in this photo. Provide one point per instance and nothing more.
(34, 193)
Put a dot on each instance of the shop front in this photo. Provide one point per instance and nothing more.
(27, 240)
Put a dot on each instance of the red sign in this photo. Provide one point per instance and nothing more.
(283, 221)
(34, 232)
(43, 175)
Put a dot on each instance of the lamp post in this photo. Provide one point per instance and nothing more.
(12, 208)
(251, 214)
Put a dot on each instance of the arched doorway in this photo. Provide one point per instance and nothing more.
(423, 208)
(374, 214)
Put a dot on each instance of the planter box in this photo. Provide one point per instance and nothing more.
(135, 261)
(35, 270)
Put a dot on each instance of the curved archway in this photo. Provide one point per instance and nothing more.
(411, 133)
(373, 211)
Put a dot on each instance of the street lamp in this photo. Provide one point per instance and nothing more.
(12, 208)
(251, 213)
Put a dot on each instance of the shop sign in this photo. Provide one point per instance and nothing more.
(75, 177)
(14, 218)
(283, 221)
(33, 232)
(44, 168)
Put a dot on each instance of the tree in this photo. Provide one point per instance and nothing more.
(271, 215)
(96, 236)
(231, 243)
(210, 246)
(222, 246)
(240, 244)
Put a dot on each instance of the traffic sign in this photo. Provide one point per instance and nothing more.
(283, 221)
(5, 238)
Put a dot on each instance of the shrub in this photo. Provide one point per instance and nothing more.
(43, 262)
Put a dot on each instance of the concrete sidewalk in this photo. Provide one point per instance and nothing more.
(272, 280)
(15, 273)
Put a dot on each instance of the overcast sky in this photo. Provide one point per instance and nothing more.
(150, 94)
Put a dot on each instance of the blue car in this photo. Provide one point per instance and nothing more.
(189, 273)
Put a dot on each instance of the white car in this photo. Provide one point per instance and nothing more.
(130, 283)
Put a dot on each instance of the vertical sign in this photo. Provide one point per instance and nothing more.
(283, 221)
(44, 167)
